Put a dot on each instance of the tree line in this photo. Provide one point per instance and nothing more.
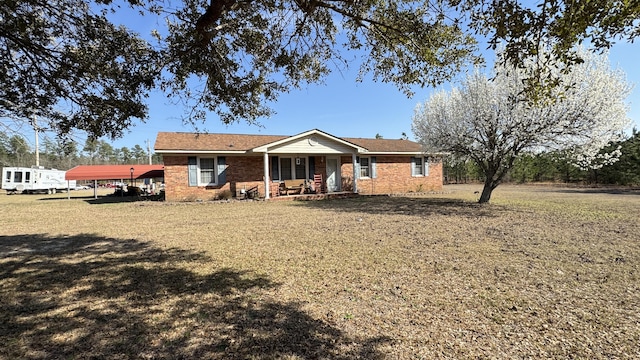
(63, 155)
(557, 168)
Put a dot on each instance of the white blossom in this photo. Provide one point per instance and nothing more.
(492, 121)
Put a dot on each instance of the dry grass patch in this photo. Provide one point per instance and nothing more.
(542, 272)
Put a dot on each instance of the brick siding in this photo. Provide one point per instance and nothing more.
(243, 172)
(393, 176)
(246, 172)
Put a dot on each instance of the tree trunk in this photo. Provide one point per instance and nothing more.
(491, 181)
(486, 192)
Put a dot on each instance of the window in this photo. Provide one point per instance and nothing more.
(301, 168)
(290, 168)
(17, 176)
(27, 177)
(285, 168)
(207, 171)
(8, 176)
(364, 168)
(419, 166)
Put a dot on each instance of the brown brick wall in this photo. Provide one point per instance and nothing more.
(246, 172)
(393, 176)
(242, 173)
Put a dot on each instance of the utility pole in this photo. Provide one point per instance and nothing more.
(149, 151)
(34, 123)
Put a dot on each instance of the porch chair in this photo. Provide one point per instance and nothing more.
(318, 184)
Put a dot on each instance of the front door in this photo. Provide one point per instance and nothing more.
(333, 175)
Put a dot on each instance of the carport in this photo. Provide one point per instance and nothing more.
(114, 172)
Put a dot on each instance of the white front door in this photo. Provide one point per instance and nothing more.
(333, 175)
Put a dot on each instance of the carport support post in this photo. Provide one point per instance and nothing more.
(266, 175)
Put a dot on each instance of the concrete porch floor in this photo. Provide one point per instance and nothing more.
(310, 197)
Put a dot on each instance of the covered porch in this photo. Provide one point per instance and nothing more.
(295, 175)
(310, 163)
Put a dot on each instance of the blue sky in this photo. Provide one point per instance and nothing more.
(344, 107)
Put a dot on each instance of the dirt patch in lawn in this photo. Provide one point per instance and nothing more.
(540, 272)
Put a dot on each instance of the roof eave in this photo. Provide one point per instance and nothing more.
(394, 153)
(184, 152)
(405, 153)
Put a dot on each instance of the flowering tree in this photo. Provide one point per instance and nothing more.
(493, 121)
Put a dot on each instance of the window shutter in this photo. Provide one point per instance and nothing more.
(222, 170)
(312, 166)
(413, 166)
(357, 167)
(373, 167)
(426, 166)
(275, 174)
(192, 168)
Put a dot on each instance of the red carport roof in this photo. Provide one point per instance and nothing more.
(114, 172)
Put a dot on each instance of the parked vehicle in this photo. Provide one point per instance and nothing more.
(35, 180)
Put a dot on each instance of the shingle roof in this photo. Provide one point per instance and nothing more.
(386, 145)
(211, 142)
(176, 141)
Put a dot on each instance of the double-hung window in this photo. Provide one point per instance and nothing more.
(366, 167)
(419, 166)
(365, 170)
(206, 170)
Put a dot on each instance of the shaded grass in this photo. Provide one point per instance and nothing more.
(541, 272)
(90, 297)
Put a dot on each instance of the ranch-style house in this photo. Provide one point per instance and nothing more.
(202, 166)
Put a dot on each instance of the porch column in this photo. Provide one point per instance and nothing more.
(266, 175)
(355, 173)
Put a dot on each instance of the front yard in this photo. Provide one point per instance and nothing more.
(540, 273)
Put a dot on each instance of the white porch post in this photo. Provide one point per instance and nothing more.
(266, 175)
(355, 172)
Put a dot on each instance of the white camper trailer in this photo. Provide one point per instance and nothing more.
(34, 180)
